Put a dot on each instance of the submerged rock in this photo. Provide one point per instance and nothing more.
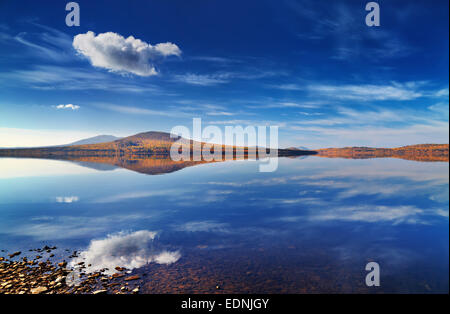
(39, 290)
(14, 254)
(135, 277)
(36, 276)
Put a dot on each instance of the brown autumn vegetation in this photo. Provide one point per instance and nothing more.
(149, 152)
(142, 144)
(148, 165)
(422, 152)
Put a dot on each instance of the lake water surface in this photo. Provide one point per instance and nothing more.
(309, 227)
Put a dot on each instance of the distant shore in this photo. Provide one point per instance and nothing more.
(421, 152)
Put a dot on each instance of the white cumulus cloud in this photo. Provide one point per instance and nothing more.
(123, 55)
(68, 106)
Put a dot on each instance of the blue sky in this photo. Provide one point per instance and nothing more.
(311, 67)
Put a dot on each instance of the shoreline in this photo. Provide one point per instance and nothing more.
(22, 275)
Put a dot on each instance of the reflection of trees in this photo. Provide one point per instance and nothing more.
(425, 152)
(148, 165)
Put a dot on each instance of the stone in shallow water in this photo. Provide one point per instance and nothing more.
(14, 254)
(117, 275)
(39, 290)
(135, 277)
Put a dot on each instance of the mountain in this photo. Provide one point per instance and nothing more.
(140, 145)
(422, 152)
(158, 144)
(147, 152)
(147, 143)
(95, 140)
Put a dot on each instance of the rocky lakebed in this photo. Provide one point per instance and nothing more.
(40, 273)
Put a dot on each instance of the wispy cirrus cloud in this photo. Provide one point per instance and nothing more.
(289, 87)
(116, 53)
(37, 48)
(51, 77)
(348, 116)
(304, 104)
(367, 92)
(339, 24)
(377, 126)
(398, 91)
(248, 122)
(442, 92)
(216, 60)
(51, 44)
(373, 135)
(200, 109)
(170, 111)
(217, 78)
(135, 110)
(202, 79)
(364, 92)
(441, 108)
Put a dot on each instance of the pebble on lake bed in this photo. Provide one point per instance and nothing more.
(35, 276)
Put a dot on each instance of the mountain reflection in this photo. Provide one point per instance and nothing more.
(148, 165)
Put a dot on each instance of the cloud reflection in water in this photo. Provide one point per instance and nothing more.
(67, 199)
(129, 250)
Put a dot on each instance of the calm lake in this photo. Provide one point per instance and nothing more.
(309, 227)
